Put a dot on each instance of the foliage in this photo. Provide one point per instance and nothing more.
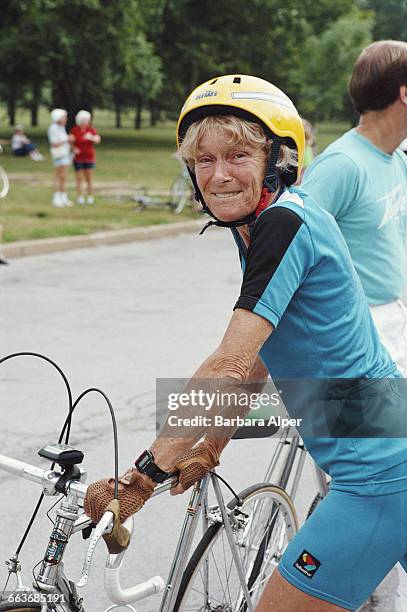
(327, 64)
(151, 53)
(390, 18)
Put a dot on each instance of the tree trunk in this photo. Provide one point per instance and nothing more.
(118, 115)
(11, 107)
(137, 117)
(34, 104)
(64, 97)
(154, 114)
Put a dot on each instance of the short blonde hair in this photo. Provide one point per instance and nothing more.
(238, 132)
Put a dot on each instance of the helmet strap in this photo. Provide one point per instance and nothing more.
(272, 178)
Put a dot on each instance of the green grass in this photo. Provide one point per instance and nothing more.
(327, 132)
(127, 159)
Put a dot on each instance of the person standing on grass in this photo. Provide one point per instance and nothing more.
(361, 179)
(83, 137)
(60, 154)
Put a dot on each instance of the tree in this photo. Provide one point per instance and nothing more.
(390, 18)
(135, 75)
(22, 49)
(264, 37)
(328, 61)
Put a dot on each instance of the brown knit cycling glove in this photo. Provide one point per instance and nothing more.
(135, 490)
(196, 463)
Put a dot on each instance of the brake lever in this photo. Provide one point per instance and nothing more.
(104, 527)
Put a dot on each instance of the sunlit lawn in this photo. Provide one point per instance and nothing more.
(127, 160)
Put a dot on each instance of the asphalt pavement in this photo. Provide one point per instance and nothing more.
(115, 318)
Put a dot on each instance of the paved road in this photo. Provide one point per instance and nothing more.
(114, 318)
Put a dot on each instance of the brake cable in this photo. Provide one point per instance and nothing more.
(67, 427)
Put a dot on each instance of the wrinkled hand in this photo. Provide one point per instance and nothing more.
(195, 464)
(134, 490)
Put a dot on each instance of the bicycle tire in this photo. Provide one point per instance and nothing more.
(190, 595)
(4, 183)
(180, 192)
(15, 607)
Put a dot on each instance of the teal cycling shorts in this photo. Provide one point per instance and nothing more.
(350, 542)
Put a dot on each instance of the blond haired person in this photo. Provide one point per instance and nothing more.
(300, 314)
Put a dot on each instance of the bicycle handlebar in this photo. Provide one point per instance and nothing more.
(47, 479)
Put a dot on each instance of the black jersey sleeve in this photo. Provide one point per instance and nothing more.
(279, 258)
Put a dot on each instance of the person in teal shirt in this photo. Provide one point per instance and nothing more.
(361, 179)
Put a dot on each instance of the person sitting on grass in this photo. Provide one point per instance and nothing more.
(83, 137)
(21, 145)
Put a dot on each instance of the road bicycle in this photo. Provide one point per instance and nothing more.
(179, 196)
(224, 569)
(172, 201)
(4, 182)
(242, 542)
(241, 546)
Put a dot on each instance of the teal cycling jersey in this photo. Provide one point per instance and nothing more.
(298, 274)
(365, 190)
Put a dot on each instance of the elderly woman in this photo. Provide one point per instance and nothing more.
(301, 313)
(83, 137)
(60, 155)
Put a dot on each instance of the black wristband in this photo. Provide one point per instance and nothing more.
(145, 465)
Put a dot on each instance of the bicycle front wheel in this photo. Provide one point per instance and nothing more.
(264, 527)
(4, 183)
(18, 607)
(14, 607)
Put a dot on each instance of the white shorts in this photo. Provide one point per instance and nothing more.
(391, 323)
(62, 161)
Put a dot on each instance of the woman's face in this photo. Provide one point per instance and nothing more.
(230, 177)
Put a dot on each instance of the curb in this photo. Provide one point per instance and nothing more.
(27, 248)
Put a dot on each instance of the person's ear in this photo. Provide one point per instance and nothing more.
(403, 94)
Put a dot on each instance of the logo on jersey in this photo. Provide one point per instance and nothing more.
(307, 564)
(394, 204)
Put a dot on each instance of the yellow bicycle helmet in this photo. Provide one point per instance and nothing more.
(256, 100)
(250, 98)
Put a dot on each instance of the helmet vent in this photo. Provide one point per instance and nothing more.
(213, 82)
(237, 80)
